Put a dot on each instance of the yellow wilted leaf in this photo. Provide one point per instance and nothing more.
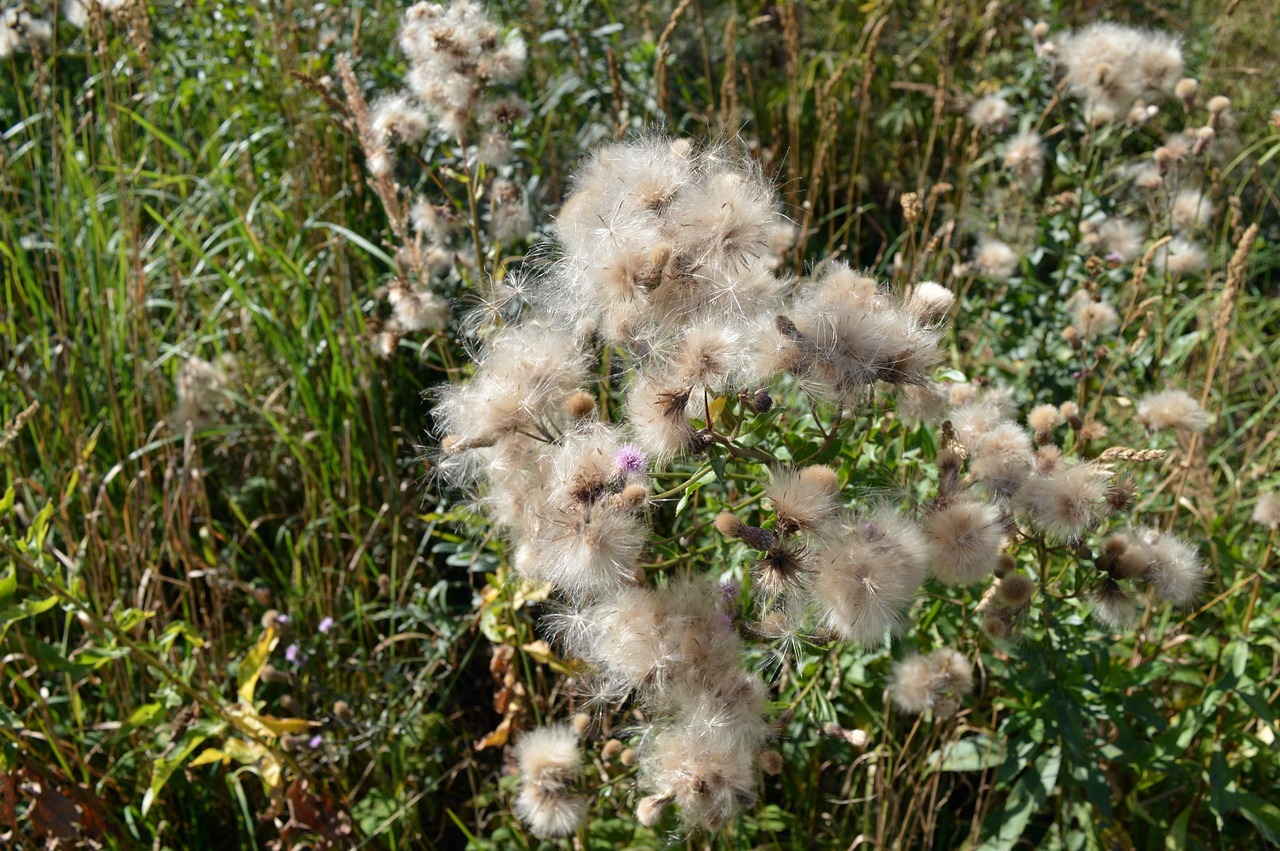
(270, 771)
(244, 752)
(286, 725)
(208, 757)
(715, 408)
(541, 651)
(498, 737)
(248, 720)
(531, 592)
(254, 661)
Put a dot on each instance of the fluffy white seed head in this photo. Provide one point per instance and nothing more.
(1192, 211)
(1117, 239)
(991, 113)
(930, 302)
(865, 581)
(1094, 319)
(1067, 502)
(964, 542)
(1001, 457)
(995, 260)
(1175, 409)
(1180, 256)
(936, 682)
(1168, 564)
(1024, 157)
(1267, 510)
(803, 499)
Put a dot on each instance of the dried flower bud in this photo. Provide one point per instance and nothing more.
(1015, 590)
(627, 757)
(1040, 30)
(761, 401)
(1120, 494)
(580, 722)
(1219, 104)
(821, 476)
(1093, 430)
(995, 626)
(580, 405)
(729, 525)
(272, 674)
(633, 496)
(341, 710)
(771, 763)
(611, 749)
(1005, 565)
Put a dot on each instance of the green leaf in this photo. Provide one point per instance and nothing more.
(127, 619)
(144, 715)
(26, 609)
(974, 753)
(1263, 815)
(8, 585)
(717, 466)
(1032, 790)
(6, 502)
(166, 765)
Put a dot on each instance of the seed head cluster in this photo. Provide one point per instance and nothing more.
(668, 257)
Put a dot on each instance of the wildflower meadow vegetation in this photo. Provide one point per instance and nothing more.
(637, 425)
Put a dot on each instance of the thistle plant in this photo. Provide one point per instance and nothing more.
(441, 154)
(629, 432)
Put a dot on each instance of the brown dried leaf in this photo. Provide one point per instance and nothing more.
(316, 818)
(8, 800)
(501, 661)
(54, 815)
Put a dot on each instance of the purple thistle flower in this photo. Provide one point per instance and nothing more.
(631, 460)
(326, 624)
(316, 741)
(294, 654)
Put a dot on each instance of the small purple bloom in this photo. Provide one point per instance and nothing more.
(282, 619)
(631, 460)
(326, 624)
(1114, 257)
(316, 741)
(295, 655)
